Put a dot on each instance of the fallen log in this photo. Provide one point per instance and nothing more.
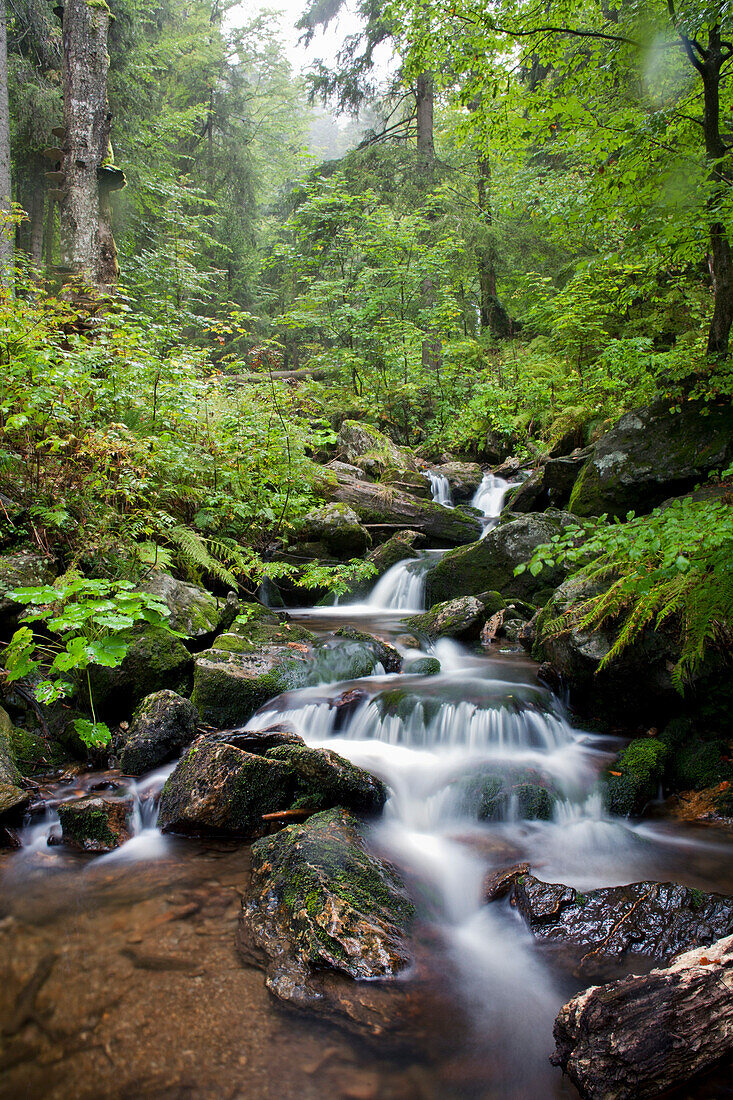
(635, 1038)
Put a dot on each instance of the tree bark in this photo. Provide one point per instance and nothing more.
(85, 233)
(494, 317)
(6, 229)
(708, 61)
(425, 99)
(636, 1038)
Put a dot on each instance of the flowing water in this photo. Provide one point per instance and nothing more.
(440, 487)
(119, 972)
(489, 498)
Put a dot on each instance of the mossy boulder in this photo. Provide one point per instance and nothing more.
(464, 479)
(698, 757)
(422, 666)
(194, 612)
(161, 727)
(156, 659)
(12, 795)
(255, 660)
(501, 793)
(489, 565)
(459, 618)
(95, 824)
(219, 789)
(370, 449)
(318, 899)
(382, 651)
(22, 570)
(337, 528)
(33, 753)
(637, 680)
(323, 778)
(408, 481)
(633, 778)
(651, 454)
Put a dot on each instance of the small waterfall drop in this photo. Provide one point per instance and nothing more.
(402, 588)
(440, 487)
(489, 498)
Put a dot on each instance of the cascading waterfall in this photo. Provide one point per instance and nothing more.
(440, 487)
(489, 498)
(402, 588)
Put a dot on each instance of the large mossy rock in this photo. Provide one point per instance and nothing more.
(155, 660)
(383, 509)
(256, 659)
(549, 486)
(370, 449)
(638, 680)
(217, 788)
(194, 612)
(633, 778)
(464, 479)
(408, 481)
(162, 726)
(220, 787)
(459, 618)
(337, 527)
(95, 824)
(488, 565)
(330, 924)
(12, 795)
(382, 652)
(25, 569)
(651, 454)
(656, 919)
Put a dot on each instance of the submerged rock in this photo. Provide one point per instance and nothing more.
(658, 919)
(320, 912)
(161, 727)
(383, 652)
(501, 793)
(489, 565)
(651, 454)
(95, 824)
(459, 618)
(422, 666)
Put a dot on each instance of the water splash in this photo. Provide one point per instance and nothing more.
(489, 498)
(440, 488)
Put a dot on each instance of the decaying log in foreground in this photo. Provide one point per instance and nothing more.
(637, 1037)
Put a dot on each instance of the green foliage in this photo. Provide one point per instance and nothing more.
(672, 569)
(87, 622)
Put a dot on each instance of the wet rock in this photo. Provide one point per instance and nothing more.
(633, 778)
(217, 788)
(370, 449)
(12, 795)
(530, 496)
(422, 666)
(383, 509)
(633, 467)
(322, 779)
(194, 612)
(161, 727)
(499, 883)
(324, 916)
(95, 824)
(657, 919)
(625, 1041)
(386, 654)
(489, 565)
(459, 618)
(464, 479)
(252, 662)
(259, 741)
(155, 660)
(22, 570)
(496, 794)
(337, 527)
(637, 680)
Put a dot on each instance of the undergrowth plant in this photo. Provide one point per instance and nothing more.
(85, 623)
(671, 568)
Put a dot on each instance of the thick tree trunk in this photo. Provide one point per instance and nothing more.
(6, 229)
(636, 1038)
(494, 317)
(85, 241)
(425, 98)
(709, 61)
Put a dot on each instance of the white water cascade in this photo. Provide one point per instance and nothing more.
(489, 498)
(440, 487)
(402, 588)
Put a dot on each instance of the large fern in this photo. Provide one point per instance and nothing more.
(672, 568)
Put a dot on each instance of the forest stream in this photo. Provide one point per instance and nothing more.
(123, 967)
